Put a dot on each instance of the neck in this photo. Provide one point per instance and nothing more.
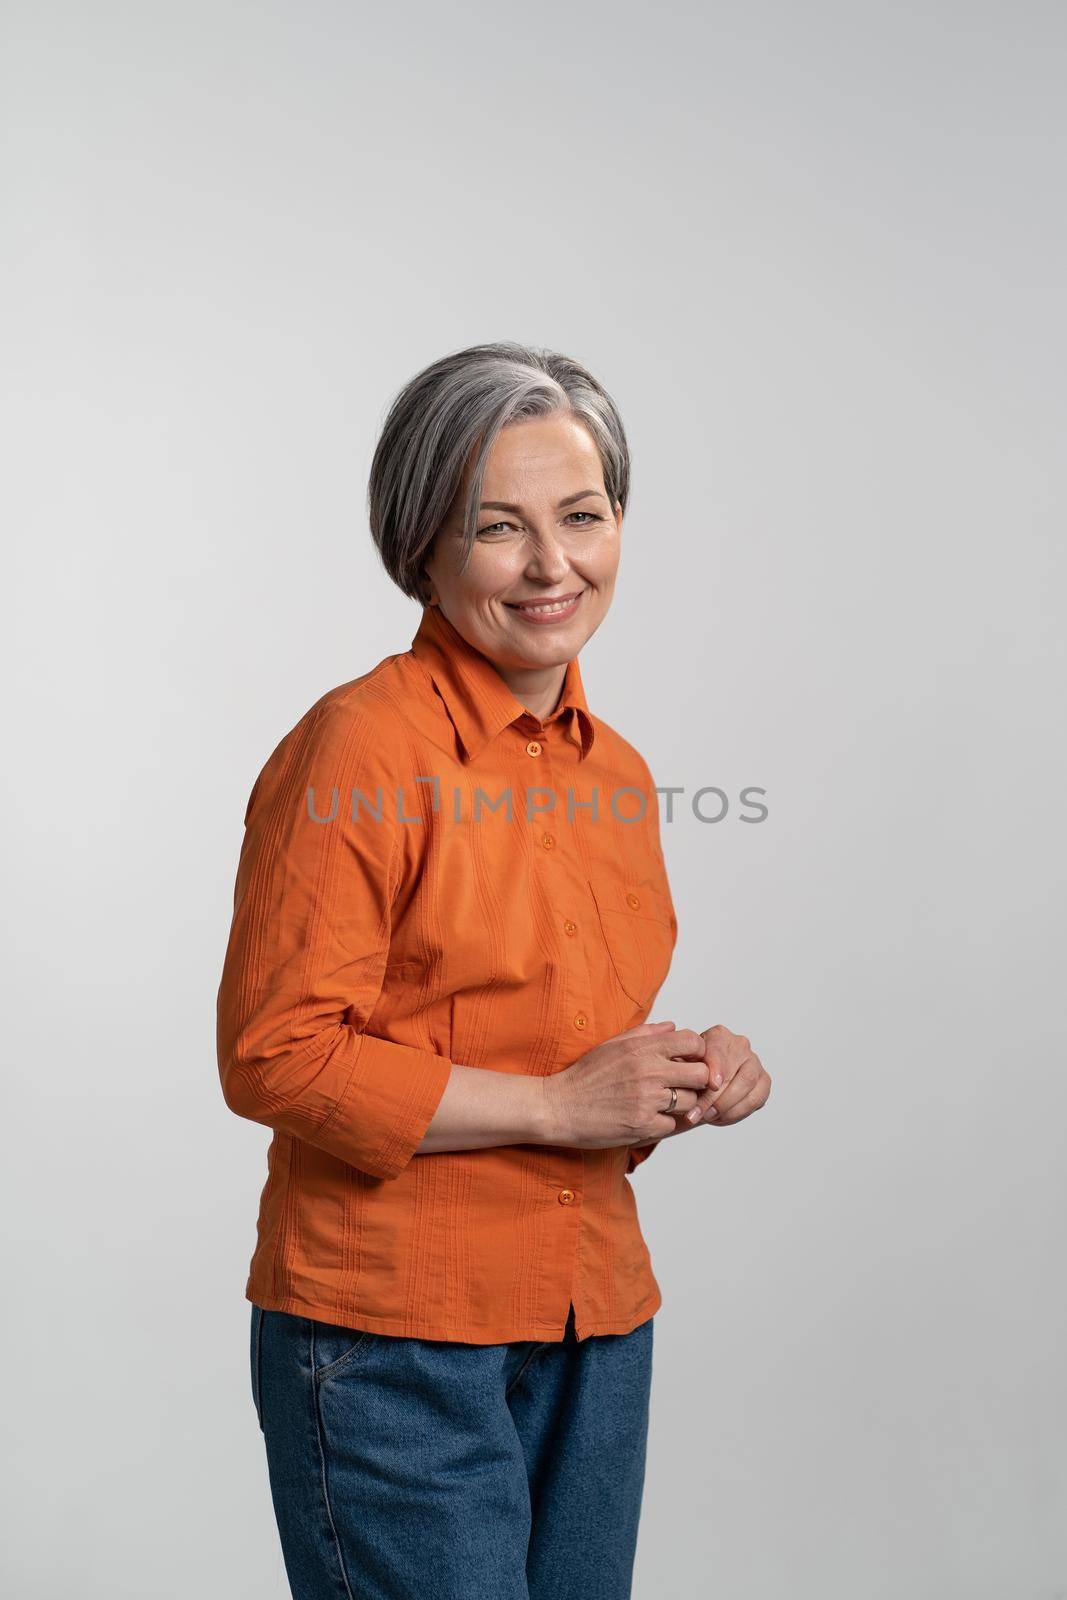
(538, 688)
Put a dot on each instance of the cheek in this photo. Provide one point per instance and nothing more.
(494, 568)
(603, 560)
(485, 575)
(601, 571)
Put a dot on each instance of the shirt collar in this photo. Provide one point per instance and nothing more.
(478, 701)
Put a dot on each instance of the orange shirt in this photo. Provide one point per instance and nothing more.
(400, 928)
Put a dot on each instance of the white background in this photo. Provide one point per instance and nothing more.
(817, 254)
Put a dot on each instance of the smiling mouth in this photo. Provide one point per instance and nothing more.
(545, 607)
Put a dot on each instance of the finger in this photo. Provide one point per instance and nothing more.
(664, 1125)
(723, 1039)
(753, 1100)
(725, 1054)
(669, 1121)
(705, 1105)
(737, 1088)
(736, 1082)
(738, 1057)
(683, 1042)
(686, 1075)
(722, 1063)
(686, 1100)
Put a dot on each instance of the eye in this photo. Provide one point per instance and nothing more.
(493, 528)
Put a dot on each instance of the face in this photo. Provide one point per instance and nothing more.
(545, 531)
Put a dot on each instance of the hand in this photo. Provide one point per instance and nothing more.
(738, 1082)
(616, 1094)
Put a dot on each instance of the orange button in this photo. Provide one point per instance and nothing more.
(632, 900)
(533, 748)
(547, 840)
(566, 1197)
(570, 927)
(580, 1020)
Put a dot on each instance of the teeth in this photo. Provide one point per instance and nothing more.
(558, 605)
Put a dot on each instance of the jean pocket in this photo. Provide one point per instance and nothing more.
(255, 1356)
(333, 1348)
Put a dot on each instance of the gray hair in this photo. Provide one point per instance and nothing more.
(459, 405)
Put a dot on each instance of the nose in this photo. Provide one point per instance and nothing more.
(548, 560)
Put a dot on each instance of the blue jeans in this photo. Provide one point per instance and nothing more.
(424, 1469)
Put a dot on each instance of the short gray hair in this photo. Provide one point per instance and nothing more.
(458, 405)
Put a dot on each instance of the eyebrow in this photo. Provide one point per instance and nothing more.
(505, 505)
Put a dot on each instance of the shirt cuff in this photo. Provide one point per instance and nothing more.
(388, 1103)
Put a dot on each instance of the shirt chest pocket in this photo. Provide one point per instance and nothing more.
(639, 935)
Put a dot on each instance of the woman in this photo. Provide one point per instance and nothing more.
(451, 918)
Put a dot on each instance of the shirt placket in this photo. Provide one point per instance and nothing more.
(553, 759)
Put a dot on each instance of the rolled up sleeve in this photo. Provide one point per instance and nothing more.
(308, 948)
